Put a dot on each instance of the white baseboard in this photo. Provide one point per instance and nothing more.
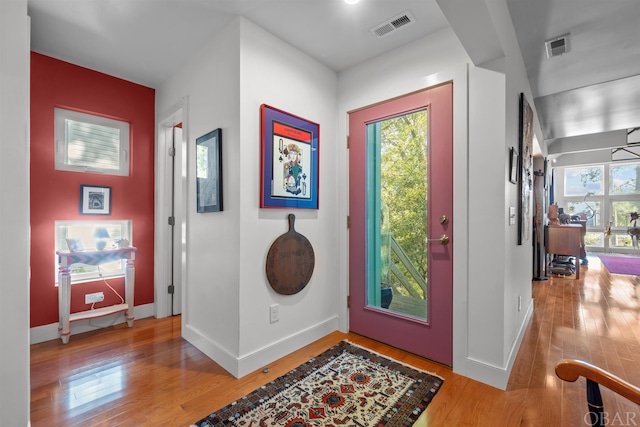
(275, 350)
(50, 332)
(243, 365)
(213, 350)
(498, 376)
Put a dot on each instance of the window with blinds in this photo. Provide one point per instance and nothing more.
(88, 143)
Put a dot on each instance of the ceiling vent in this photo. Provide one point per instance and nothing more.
(557, 46)
(393, 24)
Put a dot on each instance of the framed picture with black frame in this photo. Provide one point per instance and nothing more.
(209, 171)
(525, 170)
(95, 200)
(513, 165)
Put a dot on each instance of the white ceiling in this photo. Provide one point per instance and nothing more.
(592, 88)
(145, 41)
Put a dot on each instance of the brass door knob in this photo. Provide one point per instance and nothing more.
(444, 239)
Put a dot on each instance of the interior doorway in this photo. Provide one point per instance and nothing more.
(171, 159)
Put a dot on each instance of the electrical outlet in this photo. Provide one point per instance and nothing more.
(274, 313)
(95, 297)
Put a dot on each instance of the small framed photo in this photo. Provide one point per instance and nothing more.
(209, 171)
(95, 200)
(289, 160)
(513, 165)
(75, 245)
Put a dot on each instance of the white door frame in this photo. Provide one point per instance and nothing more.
(162, 257)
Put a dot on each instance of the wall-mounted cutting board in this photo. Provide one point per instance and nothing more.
(290, 261)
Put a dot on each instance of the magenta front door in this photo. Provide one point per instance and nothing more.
(401, 232)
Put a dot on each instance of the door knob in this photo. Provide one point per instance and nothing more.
(444, 239)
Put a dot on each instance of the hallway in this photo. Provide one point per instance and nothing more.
(149, 375)
(593, 319)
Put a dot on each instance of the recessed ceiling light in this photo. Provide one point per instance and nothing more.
(351, 1)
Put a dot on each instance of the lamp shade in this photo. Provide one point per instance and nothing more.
(101, 233)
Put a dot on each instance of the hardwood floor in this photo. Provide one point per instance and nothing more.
(150, 376)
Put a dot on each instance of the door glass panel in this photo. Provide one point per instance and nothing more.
(397, 195)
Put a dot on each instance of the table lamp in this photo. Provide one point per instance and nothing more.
(100, 234)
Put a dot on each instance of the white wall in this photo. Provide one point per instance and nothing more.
(245, 67)
(487, 213)
(14, 213)
(274, 73)
(227, 294)
(490, 270)
(504, 270)
(209, 83)
(518, 260)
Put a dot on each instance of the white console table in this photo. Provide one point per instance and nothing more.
(66, 260)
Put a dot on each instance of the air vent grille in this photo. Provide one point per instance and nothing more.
(557, 46)
(403, 20)
(384, 30)
(393, 24)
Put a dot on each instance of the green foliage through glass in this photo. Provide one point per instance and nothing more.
(397, 206)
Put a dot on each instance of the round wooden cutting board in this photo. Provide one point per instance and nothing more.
(290, 261)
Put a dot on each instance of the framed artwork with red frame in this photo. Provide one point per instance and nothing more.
(289, 169)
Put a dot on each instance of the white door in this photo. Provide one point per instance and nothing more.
(171, 158)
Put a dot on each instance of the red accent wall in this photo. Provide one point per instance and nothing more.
(55, 195)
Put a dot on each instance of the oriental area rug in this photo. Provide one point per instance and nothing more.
(346, 385)
(629, 265)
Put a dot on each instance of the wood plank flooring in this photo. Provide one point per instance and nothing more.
(149, 376)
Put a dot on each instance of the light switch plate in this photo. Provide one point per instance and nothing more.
(512, 215)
